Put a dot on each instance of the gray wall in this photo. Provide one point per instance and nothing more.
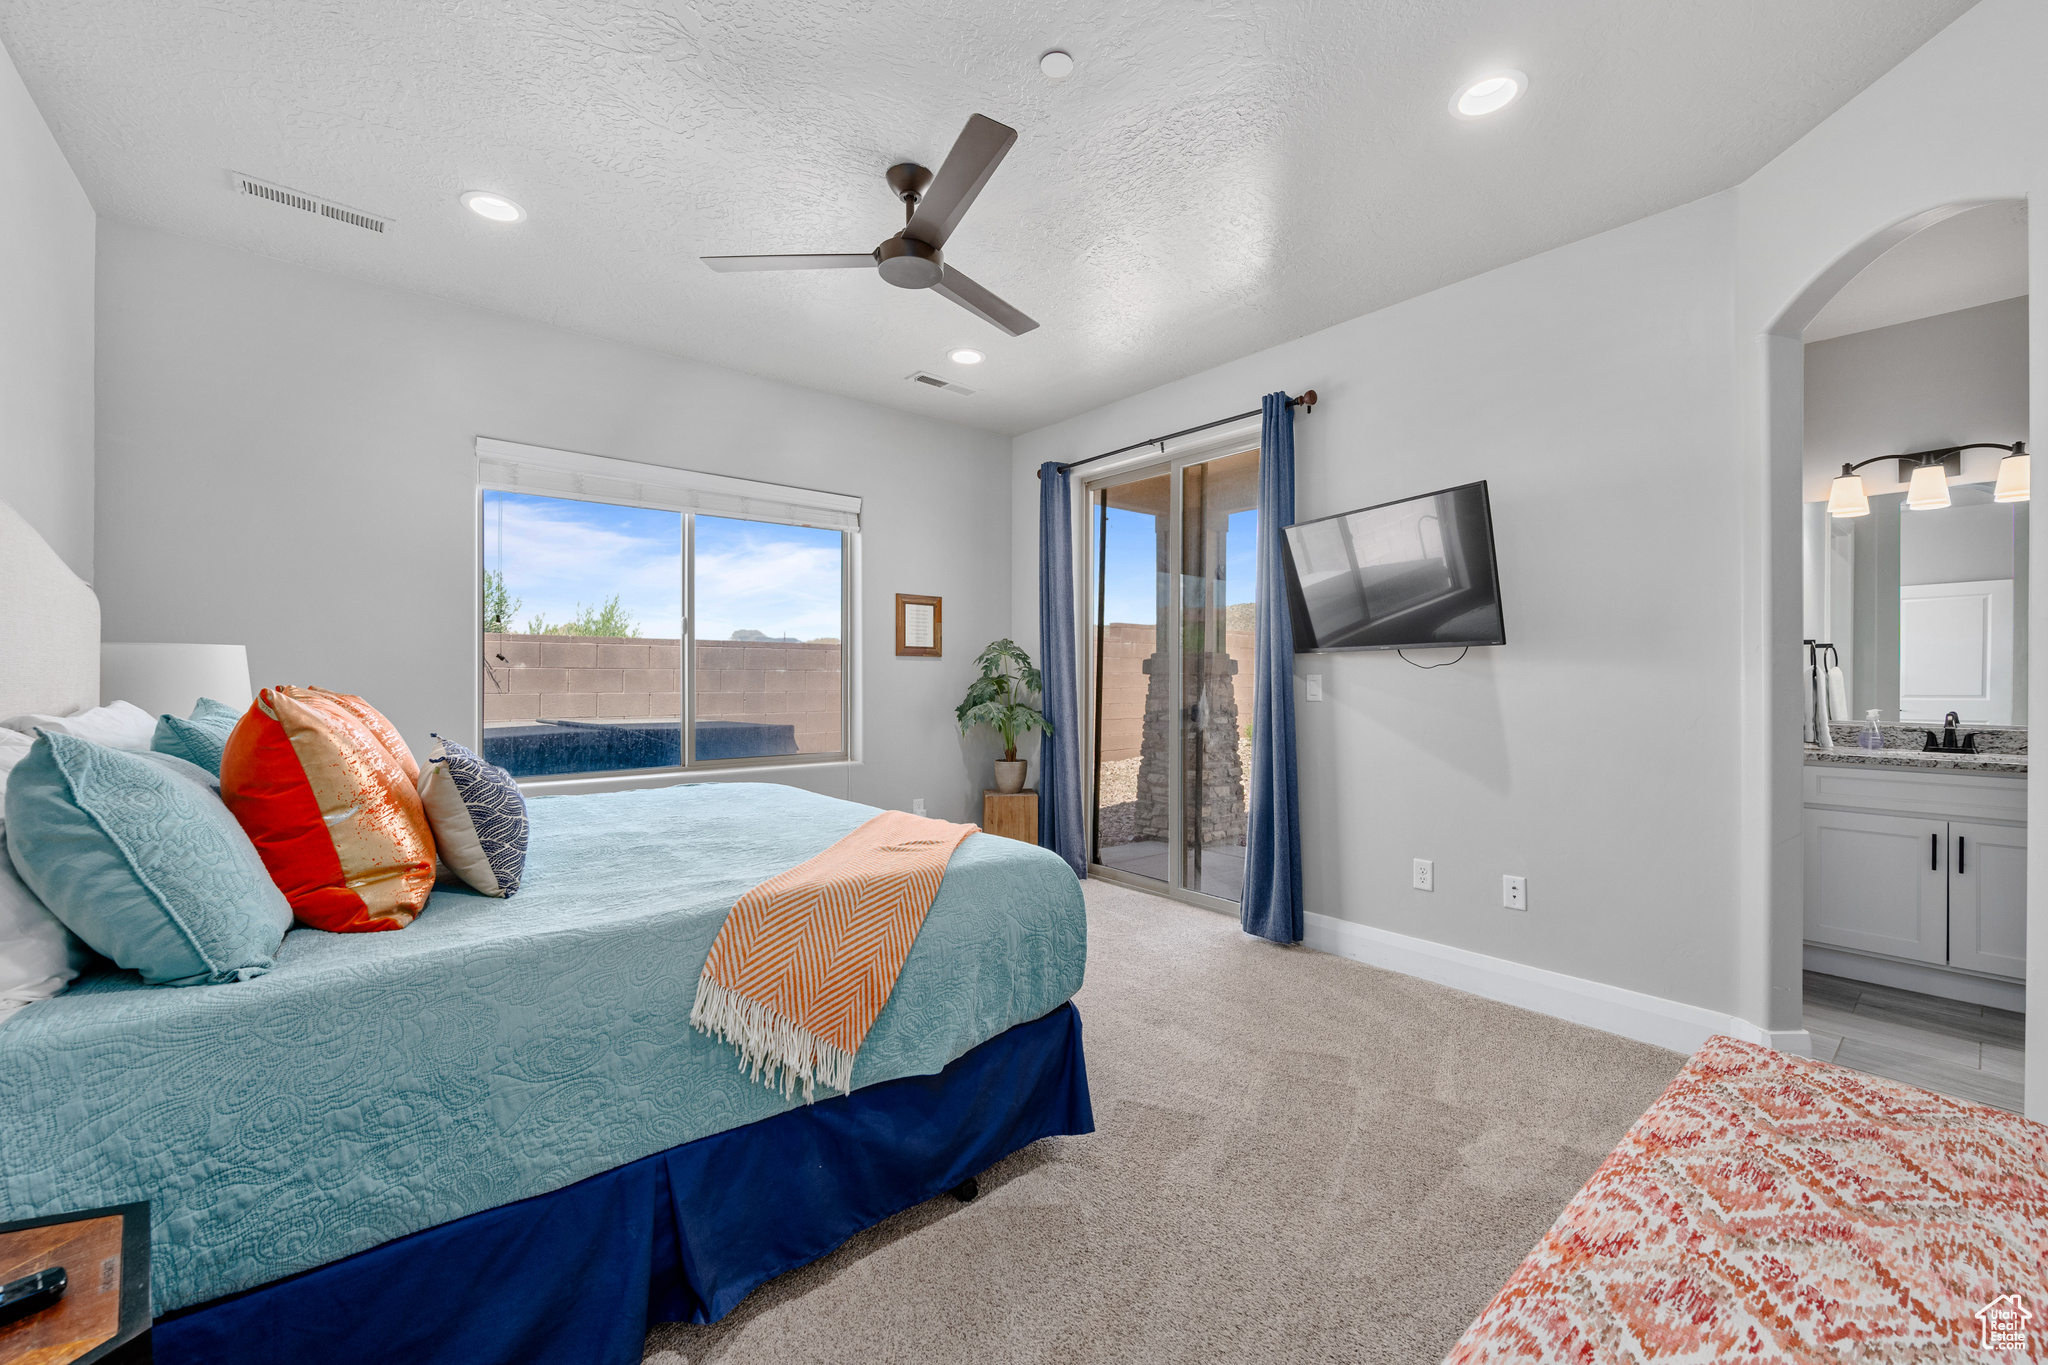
(287, 461)
(1596, 753)
(1958, 544)
(1939, 381)
(46, 356)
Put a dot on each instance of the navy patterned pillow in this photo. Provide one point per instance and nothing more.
(478, 815)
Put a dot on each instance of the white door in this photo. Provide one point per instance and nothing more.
(1955, 651)
(1987, 906)
(1878, 883)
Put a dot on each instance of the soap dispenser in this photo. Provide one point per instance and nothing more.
(1871, 736)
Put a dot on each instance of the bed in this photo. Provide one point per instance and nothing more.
(496, 1130)
(1776, 1208)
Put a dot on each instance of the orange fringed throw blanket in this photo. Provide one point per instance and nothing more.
(807, 959)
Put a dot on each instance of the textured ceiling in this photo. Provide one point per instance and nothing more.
(1973, 258)
(1217, 176)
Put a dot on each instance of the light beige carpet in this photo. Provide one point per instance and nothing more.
(1296, 1158)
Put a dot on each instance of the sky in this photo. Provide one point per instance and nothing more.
(1132, 556)
(557, 553)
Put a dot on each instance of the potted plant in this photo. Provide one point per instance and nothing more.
(997, 699)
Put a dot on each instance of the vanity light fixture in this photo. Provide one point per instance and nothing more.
(1846, 497)
(1927, 474)
(1927, 491)
(2015, 477)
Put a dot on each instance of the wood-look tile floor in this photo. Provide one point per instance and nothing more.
(1967, 1052)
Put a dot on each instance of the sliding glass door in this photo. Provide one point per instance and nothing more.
(1172, 555)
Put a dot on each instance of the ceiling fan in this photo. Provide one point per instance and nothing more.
(932, 207)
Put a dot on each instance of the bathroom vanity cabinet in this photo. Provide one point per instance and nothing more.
(1919, 867)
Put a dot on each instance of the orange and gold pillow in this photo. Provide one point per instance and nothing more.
(326, 790)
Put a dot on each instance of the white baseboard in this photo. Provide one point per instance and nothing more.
(1914, 976)
(1632, 1014)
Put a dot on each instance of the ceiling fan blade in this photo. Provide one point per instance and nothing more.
(849, 261)
(984, 305)
(974, 158)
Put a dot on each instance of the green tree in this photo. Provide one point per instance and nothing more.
(498, 603)
(609, 619)
(996, 698)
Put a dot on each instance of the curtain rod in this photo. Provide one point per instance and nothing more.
(1306, 402)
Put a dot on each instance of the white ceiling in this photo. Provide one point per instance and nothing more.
(1971, 259)
(1216, 177)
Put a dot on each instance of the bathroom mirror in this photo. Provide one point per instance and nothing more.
(1927, 609)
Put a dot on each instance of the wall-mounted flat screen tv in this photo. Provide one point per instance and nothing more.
(1413, 574)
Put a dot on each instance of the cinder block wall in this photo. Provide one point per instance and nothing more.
(784, 683)
(573, 677)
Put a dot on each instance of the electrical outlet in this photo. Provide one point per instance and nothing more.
(1514, 892)
(1315, 687)
(917, 806)
(1425, 875)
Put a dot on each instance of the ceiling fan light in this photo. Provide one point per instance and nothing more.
(1846, 497)
(495, 207)
(2015, 479)
(1928, 489)
(1489, 94)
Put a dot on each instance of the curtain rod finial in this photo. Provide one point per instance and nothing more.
(1307, 401)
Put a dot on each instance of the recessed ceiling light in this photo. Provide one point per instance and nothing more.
(1056, 65)
(495, 207)
(966, 355)
(1489, 94)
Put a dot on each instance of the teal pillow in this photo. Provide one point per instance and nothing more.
(201, 740)
(138, 857)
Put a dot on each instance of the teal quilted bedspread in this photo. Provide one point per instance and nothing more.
(376, 1084)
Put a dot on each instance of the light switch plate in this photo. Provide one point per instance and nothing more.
(1514, 892)
(917, 806)
(1315, 687)
(1425, 875)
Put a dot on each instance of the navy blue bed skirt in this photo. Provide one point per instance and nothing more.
(578, 1274)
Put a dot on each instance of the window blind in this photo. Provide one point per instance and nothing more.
(514, 468)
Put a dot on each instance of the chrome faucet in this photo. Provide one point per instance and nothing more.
(1948, 730)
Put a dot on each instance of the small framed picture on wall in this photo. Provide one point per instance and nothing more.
(75, 1287)
(919, 625)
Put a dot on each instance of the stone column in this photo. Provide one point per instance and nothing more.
(1210, 755)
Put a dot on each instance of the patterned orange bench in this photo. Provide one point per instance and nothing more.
(1772, 1208)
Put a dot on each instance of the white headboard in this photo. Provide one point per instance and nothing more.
(49, 627)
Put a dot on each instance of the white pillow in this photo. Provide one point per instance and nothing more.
(14, 747)
(39, 957)
(118, 726)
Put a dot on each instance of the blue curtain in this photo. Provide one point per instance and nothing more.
(1272, 855)
(1059, 755)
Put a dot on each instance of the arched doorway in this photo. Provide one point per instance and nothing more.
(1827, 851)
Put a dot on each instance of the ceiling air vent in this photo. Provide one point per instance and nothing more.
(933, 381)
(308, 203)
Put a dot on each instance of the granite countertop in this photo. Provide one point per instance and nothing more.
(2004, 765)
(2001, 749)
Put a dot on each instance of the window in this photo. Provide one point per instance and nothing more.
(771, 619)
(626, 635)
(1172, 690)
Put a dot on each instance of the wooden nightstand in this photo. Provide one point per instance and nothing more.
(1014, 816)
